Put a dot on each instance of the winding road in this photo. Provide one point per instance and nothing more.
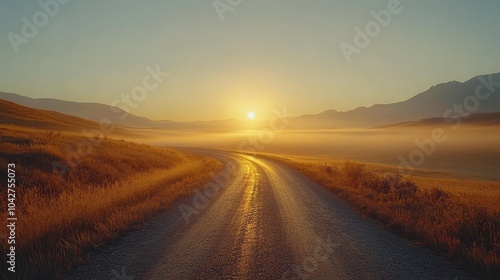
(259, 219)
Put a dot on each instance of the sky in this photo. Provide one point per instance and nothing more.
(228, 57)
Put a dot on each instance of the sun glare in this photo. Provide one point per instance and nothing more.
(251, 115)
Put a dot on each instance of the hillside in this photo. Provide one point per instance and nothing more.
(15, 114)
(429, 104)
(479, 120)
(76, 193)
(432, 103)
(91, 111)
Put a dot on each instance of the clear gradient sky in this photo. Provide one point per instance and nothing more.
(265, 53)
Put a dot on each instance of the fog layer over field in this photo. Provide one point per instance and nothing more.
(471, 151)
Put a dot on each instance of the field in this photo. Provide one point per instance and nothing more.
(449, 202)
(458, 217)
(77, 189)
(471, 151)
(74, 193)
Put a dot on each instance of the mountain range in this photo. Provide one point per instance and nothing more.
(90, 111)
(26, 117)
(433, 103)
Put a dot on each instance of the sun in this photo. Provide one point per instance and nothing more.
(251, 115)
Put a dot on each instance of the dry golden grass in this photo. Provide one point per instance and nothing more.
(110, 189)
(21, 116)
(458, 217)
(473, 192)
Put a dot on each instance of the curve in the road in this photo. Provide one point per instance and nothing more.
(267, 222)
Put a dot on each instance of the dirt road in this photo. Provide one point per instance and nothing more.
(260, 219)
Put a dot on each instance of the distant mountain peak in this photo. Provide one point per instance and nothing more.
(431, 103)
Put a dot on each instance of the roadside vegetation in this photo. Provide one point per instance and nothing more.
(111, 188)
(458, 217)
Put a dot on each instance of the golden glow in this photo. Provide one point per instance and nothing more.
(251, 115)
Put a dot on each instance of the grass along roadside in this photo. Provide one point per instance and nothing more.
(115, 187)
(460, 218)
